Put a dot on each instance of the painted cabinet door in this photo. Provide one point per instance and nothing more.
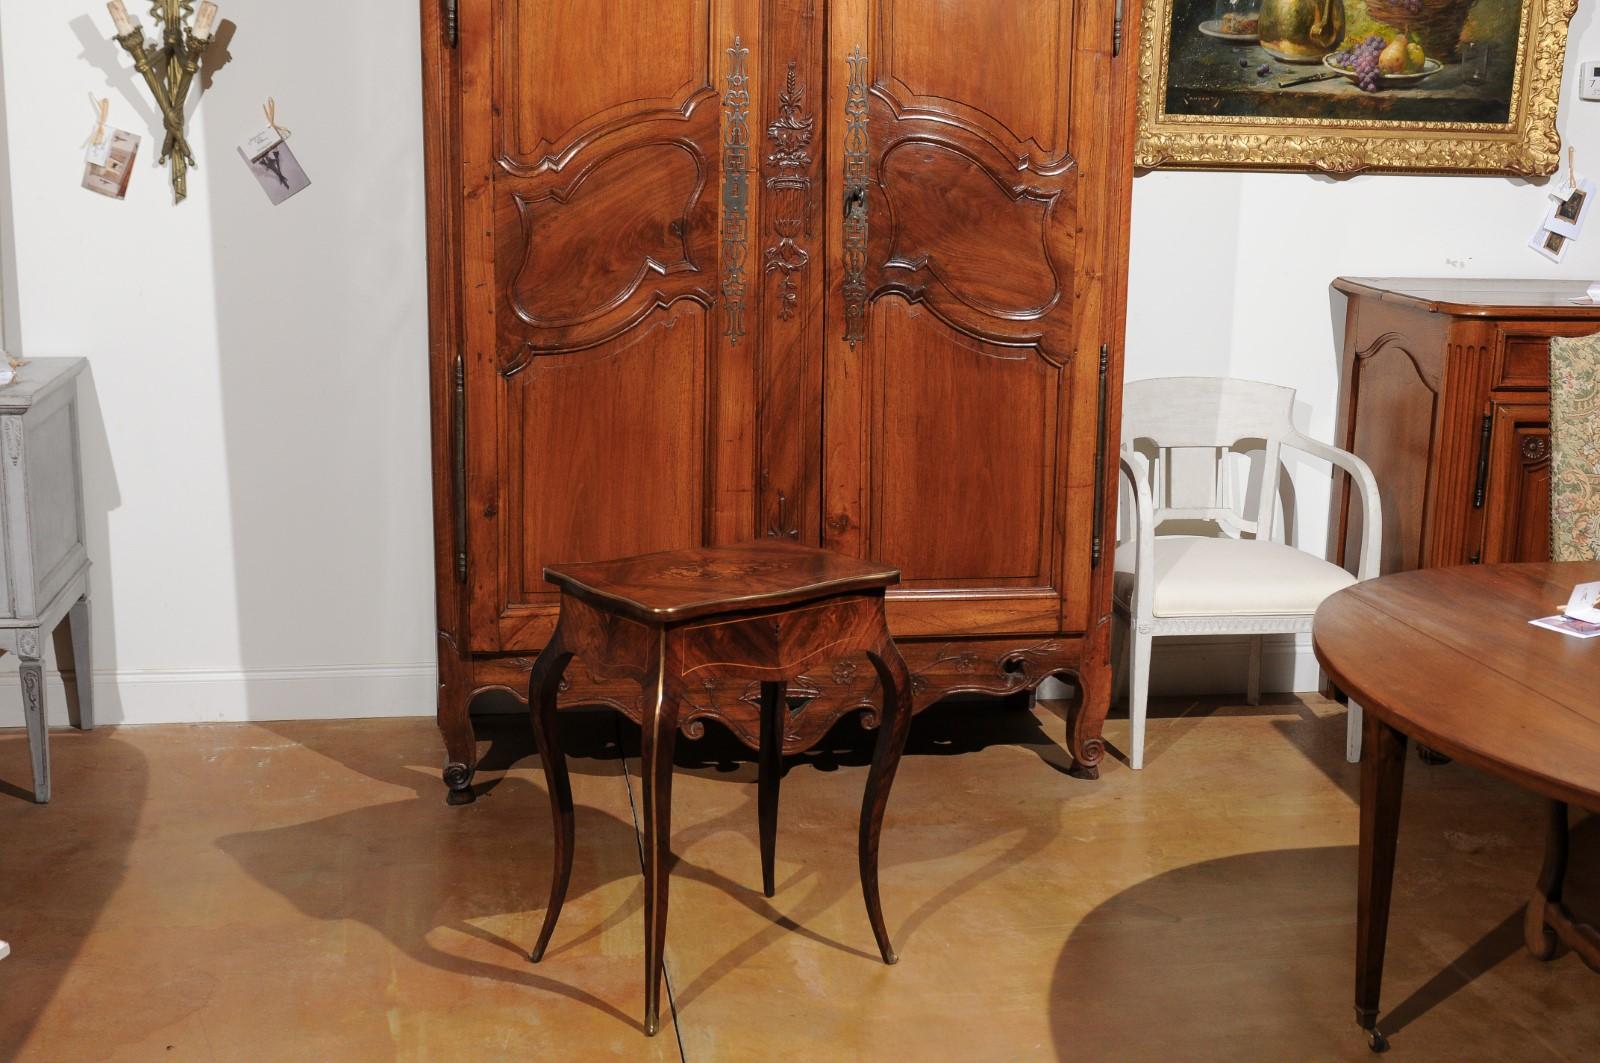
(963, 353)
(609, 374)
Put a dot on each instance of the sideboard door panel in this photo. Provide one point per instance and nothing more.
(609, 400)
(1517, 495)
(963, 350)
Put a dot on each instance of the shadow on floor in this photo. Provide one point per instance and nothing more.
(59, 880)
(488, 861)
(1260, 948)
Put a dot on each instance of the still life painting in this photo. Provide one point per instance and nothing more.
(1343, 86)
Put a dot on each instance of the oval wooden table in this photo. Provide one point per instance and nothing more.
(1446, 656)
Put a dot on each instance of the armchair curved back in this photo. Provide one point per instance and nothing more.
(1213, 415)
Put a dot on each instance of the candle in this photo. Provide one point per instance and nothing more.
(205, 20)
(119, 15)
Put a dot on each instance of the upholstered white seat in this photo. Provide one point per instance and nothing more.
(1198, 576)
(1234, 579)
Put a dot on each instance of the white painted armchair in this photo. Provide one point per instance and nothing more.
(1234, 579)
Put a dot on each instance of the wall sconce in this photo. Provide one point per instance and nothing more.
(169, 68)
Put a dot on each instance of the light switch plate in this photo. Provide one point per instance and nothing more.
(1589, 80)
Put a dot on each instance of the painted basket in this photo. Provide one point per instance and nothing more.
(1438, 26)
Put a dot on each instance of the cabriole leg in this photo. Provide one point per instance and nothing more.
(658, 737)
(894, 725)
(543, 684)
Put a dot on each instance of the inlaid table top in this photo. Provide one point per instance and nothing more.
(683, 584)
(1447, 656)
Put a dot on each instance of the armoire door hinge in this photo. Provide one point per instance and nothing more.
(452, 24)
(458, 462)
(1482, 484)
(1116, 31)
(1098, 546)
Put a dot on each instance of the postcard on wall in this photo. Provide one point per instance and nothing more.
(279, 172)
(1551, 245)
(1568, 213)
(111, 177)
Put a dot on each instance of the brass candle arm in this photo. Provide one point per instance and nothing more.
(168, 71)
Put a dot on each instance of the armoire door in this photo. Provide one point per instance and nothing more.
(608, 378)
(974, 178)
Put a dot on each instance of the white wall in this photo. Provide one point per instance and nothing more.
(1230, 273)
(256, 423)
(256, 428)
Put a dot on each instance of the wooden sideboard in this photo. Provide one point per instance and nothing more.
(1445, 392)
(707, 271)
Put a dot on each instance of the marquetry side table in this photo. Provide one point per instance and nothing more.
(45, 578)
(762, 612)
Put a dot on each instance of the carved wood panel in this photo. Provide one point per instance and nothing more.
(1399, 382)
(570, 73)
(959, 379)
(957, 420)
(1517, 496)
(612, 412)
(605, 451)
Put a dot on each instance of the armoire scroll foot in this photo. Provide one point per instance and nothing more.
(846, 272)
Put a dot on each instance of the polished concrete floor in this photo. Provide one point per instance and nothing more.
(302, 892)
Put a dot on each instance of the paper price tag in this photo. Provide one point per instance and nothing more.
(261, 143)
(111, 177)
(99, 154)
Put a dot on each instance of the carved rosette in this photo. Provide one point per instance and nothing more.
(735, 189)
(857, 147)
(1535, 449)
(790, 135)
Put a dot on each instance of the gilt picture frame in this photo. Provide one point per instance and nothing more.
(1287, 86)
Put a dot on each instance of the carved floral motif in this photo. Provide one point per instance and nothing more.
(790, 133)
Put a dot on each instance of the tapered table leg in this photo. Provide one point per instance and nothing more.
(76, 666)
(893, 728)
(542, 686)
(774, 719)
(1536, 931)
(658, 736)
(1383, 764)
(37, 718)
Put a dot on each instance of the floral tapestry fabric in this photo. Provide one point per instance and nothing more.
(1575, 448)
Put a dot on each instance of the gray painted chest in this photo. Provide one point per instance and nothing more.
(44, 582)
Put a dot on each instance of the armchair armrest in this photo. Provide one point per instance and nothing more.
(1367, 487)
(1137, 469)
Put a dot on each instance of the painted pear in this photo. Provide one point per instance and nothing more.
(1393, 59)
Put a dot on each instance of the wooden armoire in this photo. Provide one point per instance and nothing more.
(846, 272)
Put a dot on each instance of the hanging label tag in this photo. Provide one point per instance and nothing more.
(98, 147)
(279, 172)
(98, 154)
(111, 178)
(261, 143)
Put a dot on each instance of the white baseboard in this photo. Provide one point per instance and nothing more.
(235, 696)
(1181, 666)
